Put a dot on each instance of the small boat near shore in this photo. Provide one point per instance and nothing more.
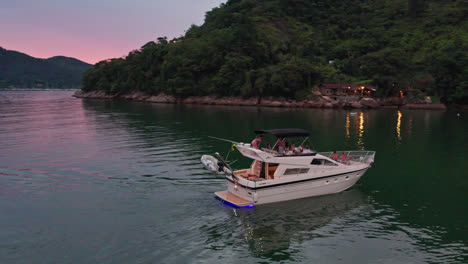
(276, 176)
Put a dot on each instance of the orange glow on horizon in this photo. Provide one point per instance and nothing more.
(86, 52)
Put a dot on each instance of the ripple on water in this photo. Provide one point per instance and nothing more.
(104, 182)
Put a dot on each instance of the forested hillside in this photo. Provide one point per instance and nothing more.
(23, 71)
(285, 47)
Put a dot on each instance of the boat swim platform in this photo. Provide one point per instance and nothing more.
(233, 199)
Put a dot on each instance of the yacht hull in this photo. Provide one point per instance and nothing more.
(296, 190)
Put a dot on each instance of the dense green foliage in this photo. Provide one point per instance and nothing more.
(284, 47)
(23, 71)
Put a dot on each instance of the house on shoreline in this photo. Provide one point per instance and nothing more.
(343, 89)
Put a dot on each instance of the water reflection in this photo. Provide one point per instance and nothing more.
(360, 141)
(410, 126)
(347, 125)
(355, 126)
(270, 229)
(398, 126)
(135, 168)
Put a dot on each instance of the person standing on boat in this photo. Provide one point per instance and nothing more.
(256, 142)
(345, 158)
(280, 144)
(307, 151)
(335, 156)
(300, 148)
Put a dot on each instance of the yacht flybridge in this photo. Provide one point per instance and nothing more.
(286, 173)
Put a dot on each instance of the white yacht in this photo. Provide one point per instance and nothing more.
(276, 175)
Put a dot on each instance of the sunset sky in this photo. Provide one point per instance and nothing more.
(94, 30)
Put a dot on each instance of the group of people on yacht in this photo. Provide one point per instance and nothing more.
(343, 158)
(282, 147)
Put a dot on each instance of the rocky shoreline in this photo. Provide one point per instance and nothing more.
(318, 102)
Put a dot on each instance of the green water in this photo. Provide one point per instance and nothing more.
(91, 181)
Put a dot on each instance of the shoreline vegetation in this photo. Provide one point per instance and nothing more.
(317, 102)
(284, 48)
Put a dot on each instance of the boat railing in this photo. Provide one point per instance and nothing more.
(288, 153)
(363, 156)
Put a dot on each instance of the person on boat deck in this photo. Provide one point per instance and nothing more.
(307, 151)
(281, 143)
(281, 146)
(300, 148)
(256, 142)
(345, 158)
(335, 156)
(268, 145)
(290, 149)
(281, 150)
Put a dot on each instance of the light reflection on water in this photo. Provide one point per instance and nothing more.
(355, 131)
(106, 182)
(398, 125)
(347, 125)
(360, 142)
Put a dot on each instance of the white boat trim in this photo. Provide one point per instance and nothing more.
(293, 182)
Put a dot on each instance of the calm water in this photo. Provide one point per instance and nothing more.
(90, 181)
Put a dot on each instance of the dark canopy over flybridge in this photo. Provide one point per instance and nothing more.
(284, 132)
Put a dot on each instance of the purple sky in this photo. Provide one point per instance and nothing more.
(94, 30)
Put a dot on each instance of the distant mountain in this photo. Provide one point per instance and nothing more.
(20, 70)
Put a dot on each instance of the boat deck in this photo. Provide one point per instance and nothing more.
(233, 199)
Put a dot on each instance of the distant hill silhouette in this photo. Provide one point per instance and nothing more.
(20, 70)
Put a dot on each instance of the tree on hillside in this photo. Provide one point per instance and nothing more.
(284, 47)
(415, 7)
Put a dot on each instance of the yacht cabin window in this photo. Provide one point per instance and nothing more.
(296, 171)
(322, 162)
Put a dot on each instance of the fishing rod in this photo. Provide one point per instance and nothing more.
(222, 139)
(226, 140)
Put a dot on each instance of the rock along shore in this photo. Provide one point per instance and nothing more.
(318, 102)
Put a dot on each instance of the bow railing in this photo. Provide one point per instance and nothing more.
(363, 156)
